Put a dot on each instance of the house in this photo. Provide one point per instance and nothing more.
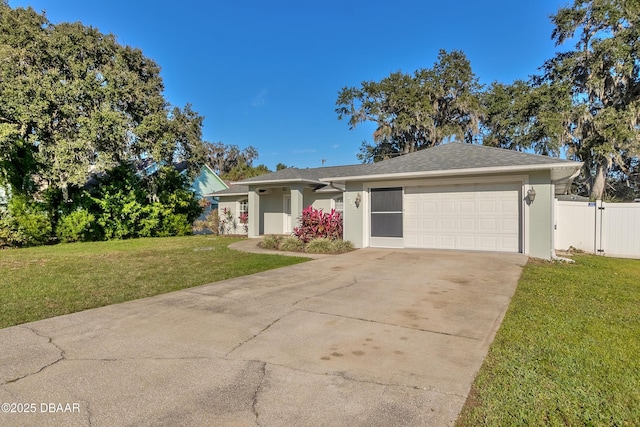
(453, 196)
(205, 184)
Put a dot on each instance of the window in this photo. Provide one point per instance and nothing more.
(386, 212)
(338, 204)
(244, 207)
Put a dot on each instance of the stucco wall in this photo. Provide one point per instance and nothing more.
(272, 207)
(319, 200)
(231, 203)
(354, 216)
(541, 215)
(272, 211)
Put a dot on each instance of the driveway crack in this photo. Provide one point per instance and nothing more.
(254, 404)
(354, 282)
(256, 335)
(50, 341)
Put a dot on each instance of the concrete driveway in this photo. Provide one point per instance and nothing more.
(373, 337)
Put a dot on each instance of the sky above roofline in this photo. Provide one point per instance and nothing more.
(267, 74)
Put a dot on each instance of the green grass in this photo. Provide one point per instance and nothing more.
(568, 350)
(46, 281)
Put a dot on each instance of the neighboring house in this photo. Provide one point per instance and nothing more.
(204, 185)
(453, 196)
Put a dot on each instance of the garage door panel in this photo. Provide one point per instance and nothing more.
(473, 217)
(488, 225)
(467, 207)
(467, 224)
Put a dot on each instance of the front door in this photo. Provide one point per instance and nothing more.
(287, 215)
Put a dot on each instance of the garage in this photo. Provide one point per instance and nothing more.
(482, 217)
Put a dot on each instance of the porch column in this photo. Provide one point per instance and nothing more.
(254, 213)
(297, 204)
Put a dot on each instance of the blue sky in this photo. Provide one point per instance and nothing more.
(267, 74)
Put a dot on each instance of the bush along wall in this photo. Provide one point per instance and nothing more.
(315, 224)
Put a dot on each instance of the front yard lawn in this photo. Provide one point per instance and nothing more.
(46, 281)
(568, 350)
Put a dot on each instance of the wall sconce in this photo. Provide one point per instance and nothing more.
(358, 200)
(531, 195)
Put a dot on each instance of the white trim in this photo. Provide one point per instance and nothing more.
(334, 203)
(287, 227)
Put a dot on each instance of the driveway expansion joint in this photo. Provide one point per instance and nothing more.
(355, 281)
(321, 294)
(389, 324)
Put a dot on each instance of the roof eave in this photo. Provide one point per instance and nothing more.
(457, 172)
(283, 181)
(226, 194)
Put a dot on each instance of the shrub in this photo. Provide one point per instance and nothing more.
(76, 226)
(316, 224)
(24, 223)
(342, 246)
(320, 246)
(210, 223)
(271, 242)
(292, 244)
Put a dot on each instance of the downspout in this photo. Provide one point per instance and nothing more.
(335, 188)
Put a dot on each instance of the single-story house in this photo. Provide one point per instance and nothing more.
(453, 196)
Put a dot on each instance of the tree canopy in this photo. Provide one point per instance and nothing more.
(416, 111)
(583, 104)
(232, 163)
(75, 102)
(602, 75)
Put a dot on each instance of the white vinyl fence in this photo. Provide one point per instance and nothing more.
(611, 229)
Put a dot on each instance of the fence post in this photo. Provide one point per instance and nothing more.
(599, 212)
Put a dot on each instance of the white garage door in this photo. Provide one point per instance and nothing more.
(483, 217)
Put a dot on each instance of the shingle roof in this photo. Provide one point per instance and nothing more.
(446, 158)
(457, 156)
(308, 174)
(233, 190)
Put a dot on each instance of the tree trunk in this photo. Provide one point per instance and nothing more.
(599, 181)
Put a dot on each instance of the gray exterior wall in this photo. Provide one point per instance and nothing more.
(536, 225)
(272, 211)
(319, 200)
(541, 215)
(271, 207)
(354, 216)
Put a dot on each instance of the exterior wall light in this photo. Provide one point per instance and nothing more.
(531, 195)
(358, 200)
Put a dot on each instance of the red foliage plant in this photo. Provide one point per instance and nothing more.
(315, 224)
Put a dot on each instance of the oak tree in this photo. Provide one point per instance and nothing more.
(416, 111)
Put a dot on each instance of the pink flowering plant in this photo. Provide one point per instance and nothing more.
(314, 224)
(244, 220)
